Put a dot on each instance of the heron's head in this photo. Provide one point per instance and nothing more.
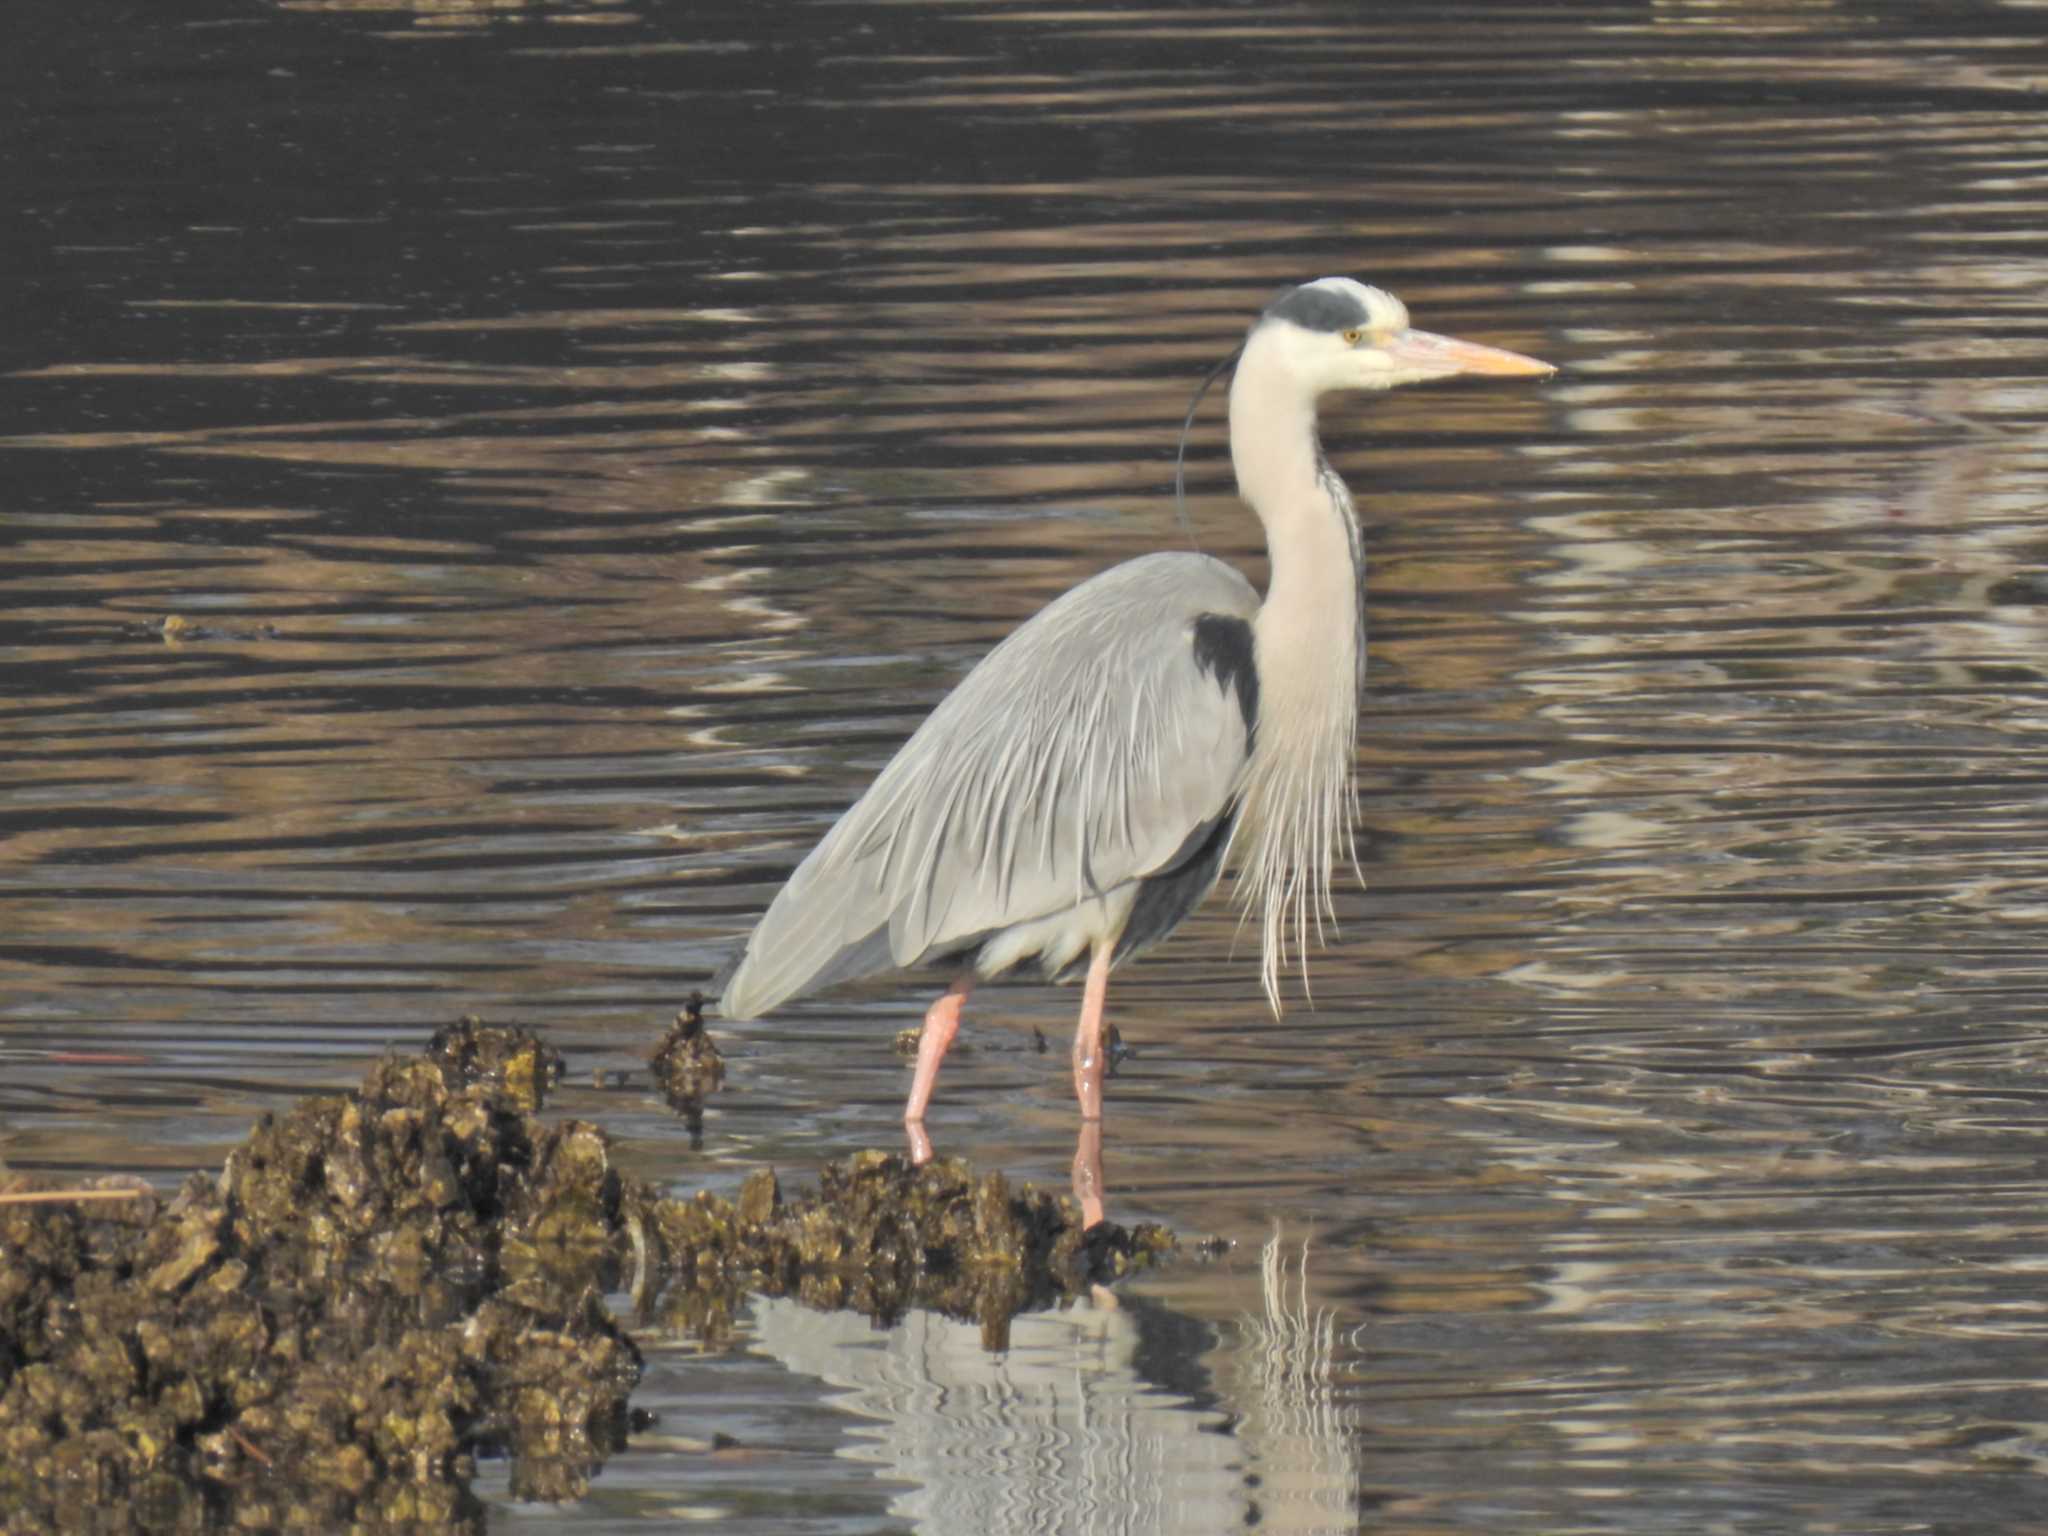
(1335, 334)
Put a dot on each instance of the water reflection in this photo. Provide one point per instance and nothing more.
(1063, 1432)
(1103, 1417)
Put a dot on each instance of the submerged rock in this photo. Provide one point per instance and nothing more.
(381, 1286)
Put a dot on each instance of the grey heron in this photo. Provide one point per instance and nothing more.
(1080, 791)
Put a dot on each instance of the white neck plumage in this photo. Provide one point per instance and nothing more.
(1296, 806)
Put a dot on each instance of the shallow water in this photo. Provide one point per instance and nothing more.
(582, 440)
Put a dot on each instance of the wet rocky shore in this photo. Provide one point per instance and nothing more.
(381, 1287)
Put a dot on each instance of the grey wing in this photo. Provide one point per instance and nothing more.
(1079, 755)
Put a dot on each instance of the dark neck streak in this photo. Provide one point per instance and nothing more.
(1342, 507)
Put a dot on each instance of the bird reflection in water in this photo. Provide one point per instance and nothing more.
(1115, 1414)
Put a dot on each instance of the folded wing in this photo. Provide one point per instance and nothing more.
(1081, 754)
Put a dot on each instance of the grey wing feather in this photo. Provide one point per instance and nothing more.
(1080, 754)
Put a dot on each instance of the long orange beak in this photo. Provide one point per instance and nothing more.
(1446, 355)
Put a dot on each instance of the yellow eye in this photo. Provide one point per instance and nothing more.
(1353, 336)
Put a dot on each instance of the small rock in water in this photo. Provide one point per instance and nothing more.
(686, 1063)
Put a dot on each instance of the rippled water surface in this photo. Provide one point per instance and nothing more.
(574, 443)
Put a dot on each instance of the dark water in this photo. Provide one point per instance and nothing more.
(581, 440)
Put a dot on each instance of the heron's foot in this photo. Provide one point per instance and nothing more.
(920, 1143)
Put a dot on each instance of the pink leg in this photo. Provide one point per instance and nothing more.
(1088, 1173)
(1089, 1056)
(941, 1024)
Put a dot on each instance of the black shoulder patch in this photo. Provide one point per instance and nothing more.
(1317, 309)
(1223, 649)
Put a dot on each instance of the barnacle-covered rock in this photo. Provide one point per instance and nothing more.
(324, 1336)
(381, 1286)
(881, 1237)
(515, 1062)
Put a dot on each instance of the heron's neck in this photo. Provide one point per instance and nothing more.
(1308, 645)
(1311, 615)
